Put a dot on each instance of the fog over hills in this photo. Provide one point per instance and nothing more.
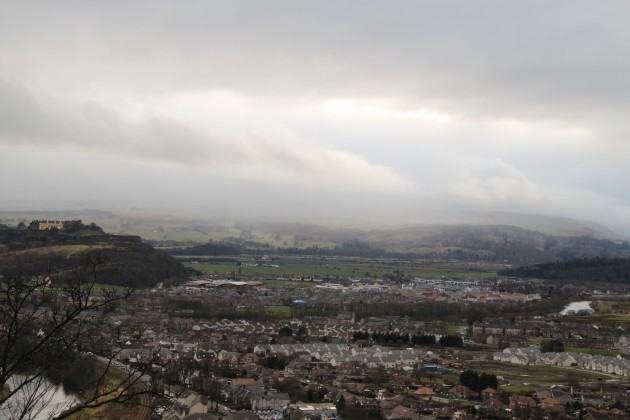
(114, 221)
(544, 224)
(495, 237)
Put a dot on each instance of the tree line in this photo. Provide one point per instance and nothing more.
(461, 243)
(478, 382)
(609, 270)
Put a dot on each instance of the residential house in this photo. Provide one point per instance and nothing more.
(490, 393)
(270, 401)
(402, 412)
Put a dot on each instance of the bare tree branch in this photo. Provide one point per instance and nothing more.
(41, 326)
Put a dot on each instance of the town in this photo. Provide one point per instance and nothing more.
(273, 336)
(329, 350)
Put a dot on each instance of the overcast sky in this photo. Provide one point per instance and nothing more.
(374, 110)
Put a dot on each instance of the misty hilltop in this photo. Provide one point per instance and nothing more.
(487, 243)
(493, 237)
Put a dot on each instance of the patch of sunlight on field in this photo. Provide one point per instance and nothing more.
(61, 249)
(278, 310)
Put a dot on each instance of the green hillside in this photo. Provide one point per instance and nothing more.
(121, 260)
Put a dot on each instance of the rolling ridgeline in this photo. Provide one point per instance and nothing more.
(487, 243)
(128, 261)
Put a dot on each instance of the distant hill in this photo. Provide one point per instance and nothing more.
(498, 244)
(123, 259)
(512, 238)
(549, 225)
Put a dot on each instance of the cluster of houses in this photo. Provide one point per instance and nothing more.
(342, 372)
(265, 405)
(398, 400)
(262, 402)
(471, 295)
(369, 290)
(334, 369)
(517, 334)
(186, 405)
(319, 358)
(337, 354)
(615, 365)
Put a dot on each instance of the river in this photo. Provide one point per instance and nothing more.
(584, 305)
(53, 401)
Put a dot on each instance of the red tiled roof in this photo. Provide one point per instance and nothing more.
(551, 401)
(424, 391)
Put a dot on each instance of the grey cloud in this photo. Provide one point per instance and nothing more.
(20, 116)
(92, 127)
(495, 58)
(520, 79)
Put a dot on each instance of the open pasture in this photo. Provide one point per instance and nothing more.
(351, 267)
(536, 375)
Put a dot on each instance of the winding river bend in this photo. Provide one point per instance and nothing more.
(53, 401)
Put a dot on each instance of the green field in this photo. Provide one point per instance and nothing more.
(61, 249)
(518, 375)
(450, 327)
(278, 310)
(291, 268)
(214, 268)
(100, 286)
(603, 352)
(175, 232)
(602, 319)
(353, 267)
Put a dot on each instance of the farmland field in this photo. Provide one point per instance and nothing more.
(62, 249)
(603, 352)
(536, 375)
(353, 267)
(278, 310)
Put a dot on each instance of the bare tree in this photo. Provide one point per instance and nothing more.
(42, 322)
